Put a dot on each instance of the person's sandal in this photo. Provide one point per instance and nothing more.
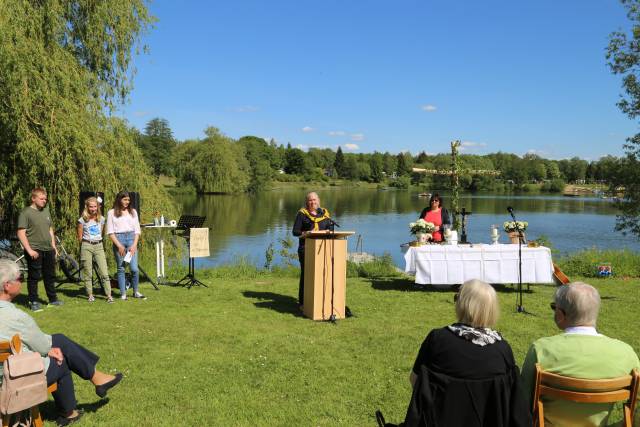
(110, 299)
(91, 298)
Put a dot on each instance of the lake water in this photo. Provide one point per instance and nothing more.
(245, 225)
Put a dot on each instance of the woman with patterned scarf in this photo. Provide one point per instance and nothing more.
(465, 373)
(310, 218)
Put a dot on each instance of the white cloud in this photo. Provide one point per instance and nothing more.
(307, 129)
(302, 147)
(405, 150)
(357, 137)
(429, 108)
(351, 147)
(245, 109)
(471, 145)
(337, 133)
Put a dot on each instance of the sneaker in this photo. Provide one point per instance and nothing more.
(123, 297)
(35, 306)
(56, 303)
(110, 299)
(139, 295)
(91, 298)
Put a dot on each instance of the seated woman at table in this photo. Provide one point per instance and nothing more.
(437, 215)
(465, 373)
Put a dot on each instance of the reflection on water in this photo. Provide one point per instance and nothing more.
(245, 225)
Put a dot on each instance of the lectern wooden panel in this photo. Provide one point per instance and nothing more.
(325, 275)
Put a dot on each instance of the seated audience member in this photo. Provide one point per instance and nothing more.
(465, 373)
(579, 352)
(61, 355)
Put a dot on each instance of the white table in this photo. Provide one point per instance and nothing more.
(160, 231)
(448, 264)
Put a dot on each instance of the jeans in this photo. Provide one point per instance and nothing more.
(43, 267)
(88, 255)
(126, 240)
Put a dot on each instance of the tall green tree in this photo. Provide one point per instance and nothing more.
(623, 56)
(63, 65)
(157, 144)
(404, 164)
(376, 165)
(216, 164)
(338, 163)
(259, 154)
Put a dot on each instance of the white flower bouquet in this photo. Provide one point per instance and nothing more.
(510, 226)
(421, 226)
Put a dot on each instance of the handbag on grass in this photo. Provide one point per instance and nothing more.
(24, 383)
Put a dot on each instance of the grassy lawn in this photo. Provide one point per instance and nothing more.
(237, 353)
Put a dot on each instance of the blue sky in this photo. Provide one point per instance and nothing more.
(398, 75)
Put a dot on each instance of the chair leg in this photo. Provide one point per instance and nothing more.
(35, 416)
(627, 417)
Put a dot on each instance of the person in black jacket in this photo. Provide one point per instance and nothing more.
(436, 214)
(465, 373)
(310, 218)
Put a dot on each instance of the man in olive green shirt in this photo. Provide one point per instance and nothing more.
(579, 352)
(36, 235)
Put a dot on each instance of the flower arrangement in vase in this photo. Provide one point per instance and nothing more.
(512, 228)
(422, 230)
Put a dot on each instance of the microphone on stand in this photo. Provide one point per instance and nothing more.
(510, 210)
(320, 212)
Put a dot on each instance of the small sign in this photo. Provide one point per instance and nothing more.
(198, 242)
(605, 270)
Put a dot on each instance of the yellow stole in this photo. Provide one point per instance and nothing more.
(315, 219)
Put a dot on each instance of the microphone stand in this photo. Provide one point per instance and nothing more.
(519, 307)
(332, 231)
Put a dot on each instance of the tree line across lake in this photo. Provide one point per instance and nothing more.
(220, 164)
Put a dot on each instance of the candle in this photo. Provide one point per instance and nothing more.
(494, 231)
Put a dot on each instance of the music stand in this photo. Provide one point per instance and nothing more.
(185, 223)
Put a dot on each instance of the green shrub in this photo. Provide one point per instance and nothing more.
(624, 263)
(402, 183)
(554, 186)
(380, 267)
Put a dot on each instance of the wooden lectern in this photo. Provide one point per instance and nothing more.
(325, 274)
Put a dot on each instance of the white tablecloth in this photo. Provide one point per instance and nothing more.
(444, 264)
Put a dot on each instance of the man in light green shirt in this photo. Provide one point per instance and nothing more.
(579, 352)
(61, 355)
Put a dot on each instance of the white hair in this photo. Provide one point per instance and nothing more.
(9, 271)
(580, 303)
(477, 304)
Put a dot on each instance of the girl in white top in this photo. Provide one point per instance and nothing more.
(90, 227)
(123, 229)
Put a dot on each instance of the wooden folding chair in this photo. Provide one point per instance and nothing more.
(5, 352)
(621, 389)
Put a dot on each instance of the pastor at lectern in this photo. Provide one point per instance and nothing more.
(310, 218)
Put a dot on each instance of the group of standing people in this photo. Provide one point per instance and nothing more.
(37, 236)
